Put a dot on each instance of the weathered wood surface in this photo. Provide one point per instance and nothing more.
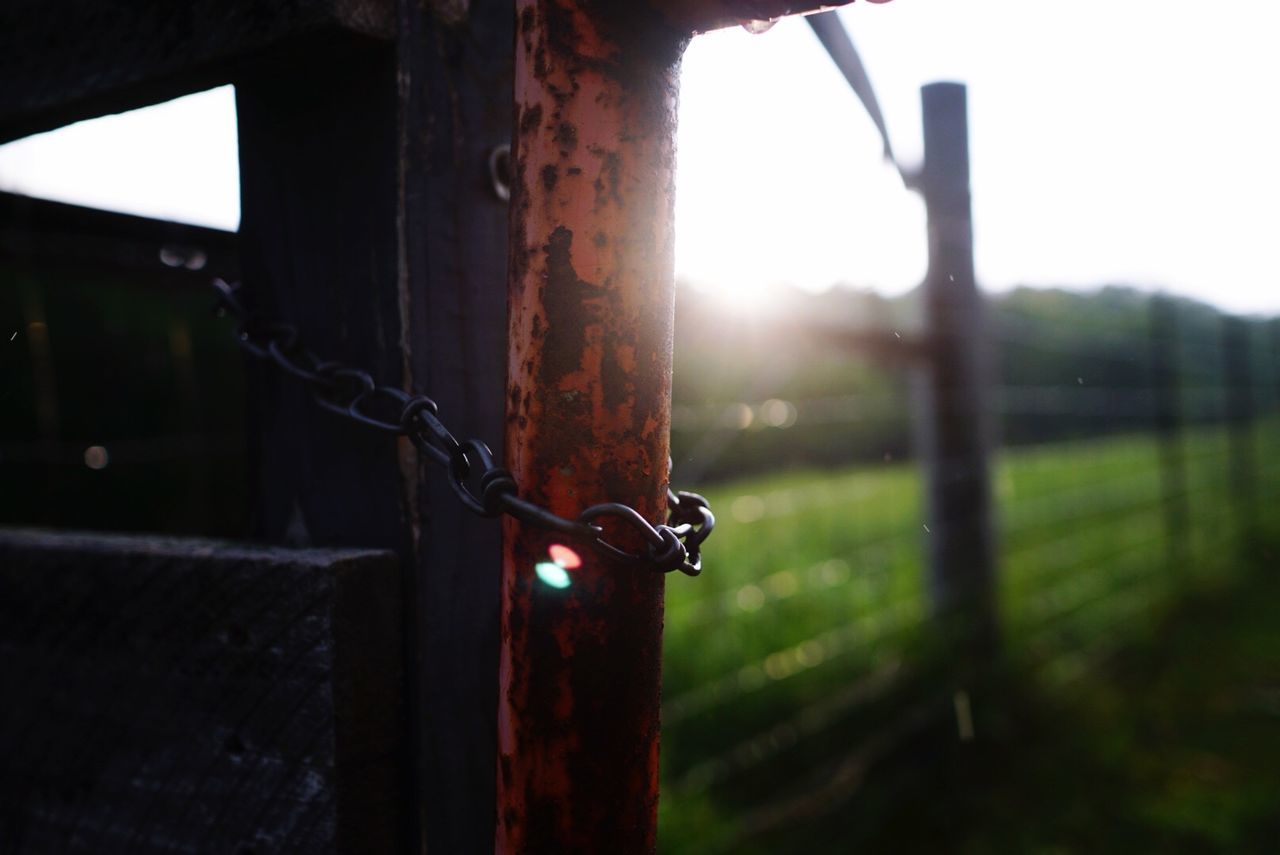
(369, 221)
(66, 60)
(455, 101)
(171, 695)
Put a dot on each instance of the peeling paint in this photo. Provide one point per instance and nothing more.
(591, 317)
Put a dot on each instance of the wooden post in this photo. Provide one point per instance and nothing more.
(1273, 329)
(959, 529)
(455, 75)
(1167, 415)
(369, 220)
(317, 135)
(1237, 381)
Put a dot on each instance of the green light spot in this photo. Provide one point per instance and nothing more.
(553, 574)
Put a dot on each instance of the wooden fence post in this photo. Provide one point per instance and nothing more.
(1167, 415)
(1273, 329)
(455, 76)
(370, 222)
(962, 558)
(1237, 381)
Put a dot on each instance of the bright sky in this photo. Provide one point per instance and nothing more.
(1124, 142)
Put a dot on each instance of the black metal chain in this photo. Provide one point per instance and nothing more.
(483, 486)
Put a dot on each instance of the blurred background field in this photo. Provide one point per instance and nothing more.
(1131, 702)
(804, 650)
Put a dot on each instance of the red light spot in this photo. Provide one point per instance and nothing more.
(564, 556)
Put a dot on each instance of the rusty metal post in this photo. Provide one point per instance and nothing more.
(591, 315)
(589, 388)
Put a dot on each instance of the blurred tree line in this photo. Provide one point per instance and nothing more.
(826, 379)
(123, 400)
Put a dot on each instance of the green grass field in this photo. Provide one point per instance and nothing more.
(798, 663)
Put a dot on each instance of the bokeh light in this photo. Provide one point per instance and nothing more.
(552, 574)
(564, 556)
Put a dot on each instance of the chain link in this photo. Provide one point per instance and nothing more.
(482, 485)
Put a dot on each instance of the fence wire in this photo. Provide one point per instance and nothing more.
(1109, 510)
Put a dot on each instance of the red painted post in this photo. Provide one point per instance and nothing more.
(588, 411)
(591, 314)
(699, 16)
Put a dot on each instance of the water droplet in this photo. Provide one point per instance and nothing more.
(188, 257)
(782, 584)
(833, 572)
(750, 598)
(779, 414)
(756, 27)
(747, 508)
(96, 457)
(739, 416)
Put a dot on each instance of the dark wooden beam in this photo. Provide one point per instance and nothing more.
(175, 695)
(455, 95)
(66, 60)
(317, 133)
(369, 220)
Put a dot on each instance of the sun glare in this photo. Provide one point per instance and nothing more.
(739, 298)
(781, 182)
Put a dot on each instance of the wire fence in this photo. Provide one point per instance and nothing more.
(804, 648)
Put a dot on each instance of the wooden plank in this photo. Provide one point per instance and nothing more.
(68, 60)
(173, 695)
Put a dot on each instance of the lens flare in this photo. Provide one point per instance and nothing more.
(564, 556)
(552, 574)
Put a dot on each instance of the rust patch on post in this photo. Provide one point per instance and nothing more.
(699, 16)
(591, 314)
